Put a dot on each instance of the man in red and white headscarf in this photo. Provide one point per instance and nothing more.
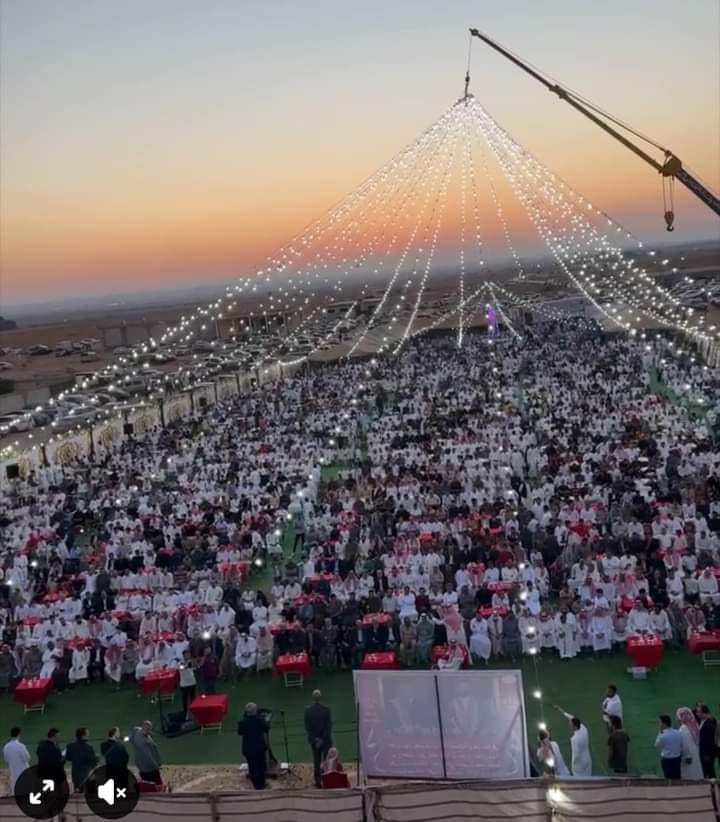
(690, 767)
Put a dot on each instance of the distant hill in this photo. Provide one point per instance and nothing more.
(7, 325)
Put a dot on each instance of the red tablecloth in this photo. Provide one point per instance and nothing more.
(380, 661)
(292, 664)
(55, 597)
(240, 568)
(501, 586)
(210, 709)
(32, 691)
(77, 643)
(645, 652)
(486, 613)
(320, 577)
(443, 652)
(281, 627)
(162, 681)
(121, 615)
(303, 598)
(165, 636)
(628, 603)
(32, 620)
(704, 641)
(377, 619)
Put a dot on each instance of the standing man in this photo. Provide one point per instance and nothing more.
(16, 756)
(318, 725)
(147, 755)
(253, 729)
(669, 743)
(82, 758)
(50, 764)
(706, 742)
(115, 752)
(299, 523)
(618, 742)
(579, 745)
(612, 704)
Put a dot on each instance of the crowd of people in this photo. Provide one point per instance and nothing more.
(501, 499)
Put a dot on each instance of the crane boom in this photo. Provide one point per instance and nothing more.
(672, 167)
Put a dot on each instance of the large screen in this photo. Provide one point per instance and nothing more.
(442, 724)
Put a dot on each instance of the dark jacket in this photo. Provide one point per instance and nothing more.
(50, 761)
(253, 730)
(318, 724)
(706, 742)
(618, 742)
(115, 753)
(81, 756)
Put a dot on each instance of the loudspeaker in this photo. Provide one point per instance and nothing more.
(203, 402)
(12, 471)
(128, 429)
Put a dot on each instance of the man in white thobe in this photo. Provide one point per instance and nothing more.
(245, 653)
(580, 745)
(480, 644)
(601, 630)
(660, 624)
(16, 756)
(612, 704)
(638, 620)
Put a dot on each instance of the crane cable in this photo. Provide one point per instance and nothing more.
(467, 70)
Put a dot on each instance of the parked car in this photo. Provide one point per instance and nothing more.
(117, 393)
(38, 350)
(5, 366)
(73, 399)
(15, 422)
(76, 416)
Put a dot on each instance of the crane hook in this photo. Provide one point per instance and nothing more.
(669, 201)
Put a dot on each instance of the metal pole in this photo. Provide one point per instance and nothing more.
(440, 726)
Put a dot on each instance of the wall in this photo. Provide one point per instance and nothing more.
(535, 800)
(19, 399)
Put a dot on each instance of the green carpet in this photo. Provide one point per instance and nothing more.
(577, 685)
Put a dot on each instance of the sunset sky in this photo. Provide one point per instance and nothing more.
(155, 144)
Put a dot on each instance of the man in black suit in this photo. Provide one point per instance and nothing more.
(707, 745)
(115, 753)
(318, 725)
(50, 762)
(253, 729)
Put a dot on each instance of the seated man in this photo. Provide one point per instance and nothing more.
(455, 658)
